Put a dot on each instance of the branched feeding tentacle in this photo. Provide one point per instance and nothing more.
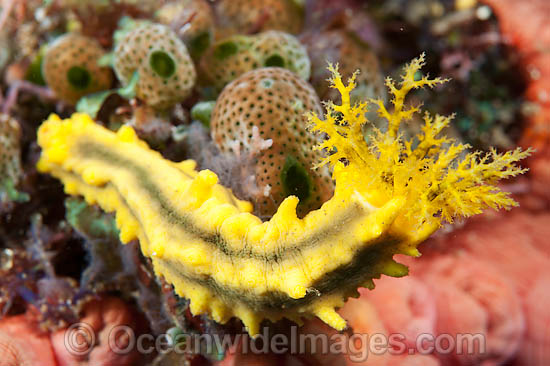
(426, 170)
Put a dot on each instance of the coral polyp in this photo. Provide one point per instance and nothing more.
(390, 195)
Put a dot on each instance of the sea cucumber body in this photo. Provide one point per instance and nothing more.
(207, 244)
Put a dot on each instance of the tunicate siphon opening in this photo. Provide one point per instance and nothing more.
(162, 63)
(295, 179)
(79, 77)
(275, 61)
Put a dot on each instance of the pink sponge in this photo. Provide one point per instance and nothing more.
(473, 298)
(103, 316)
(406, 306)
(536, 346)
(21, 344)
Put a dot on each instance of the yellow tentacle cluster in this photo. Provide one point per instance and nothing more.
(207, 244)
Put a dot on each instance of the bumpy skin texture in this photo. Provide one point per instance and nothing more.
(193, 22)
(388, 198)
(351, 54)
(233, 56)
(10, 151)
(250, 16)
(274, 100)
(205, 242)
(70, 67)
(166, 73)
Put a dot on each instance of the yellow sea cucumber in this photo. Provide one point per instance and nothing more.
(389, 197)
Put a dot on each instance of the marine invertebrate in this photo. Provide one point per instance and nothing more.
(27, 39)
(280, 49)
(351, 53)
(99, 19)
(235, 168)
(274, 101)
(103, 316)
(489, 265)
(10, 160)
(227, 59)
(532, 41)
(71, 70)
(233, 56)
(166, 72)
(494, 307)
(535, 348)
(202, 112)
(32, 23)
(251, 16)
(193, 22)
(21, 343)
(405, 306)
(389, 196)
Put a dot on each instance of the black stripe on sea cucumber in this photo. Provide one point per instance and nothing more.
(345, 279)
(97, 151)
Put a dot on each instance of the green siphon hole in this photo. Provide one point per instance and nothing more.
(274, 61)
(200, 43)
(162, 63)
(79, 77)
(295, 179)
(225, 50)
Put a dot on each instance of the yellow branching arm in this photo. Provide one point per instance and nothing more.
(427, 171)
(389, 197)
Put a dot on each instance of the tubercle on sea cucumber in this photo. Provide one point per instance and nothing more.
(207, 244)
